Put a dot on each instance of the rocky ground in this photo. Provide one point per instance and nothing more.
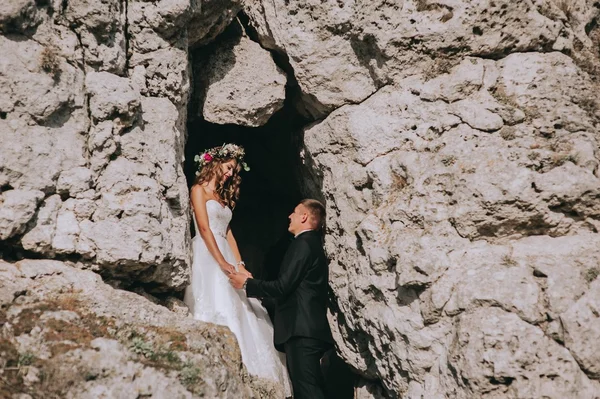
(66, 334)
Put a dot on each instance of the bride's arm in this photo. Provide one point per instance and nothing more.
(233, 245)
(236, 252)
(198, 197)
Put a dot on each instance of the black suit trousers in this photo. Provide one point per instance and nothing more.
(303, 356)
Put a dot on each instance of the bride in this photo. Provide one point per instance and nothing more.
(210, 297)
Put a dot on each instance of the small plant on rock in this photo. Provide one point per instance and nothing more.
(508, 261)
(49, 62)
(591, 274)
(26, 359)
(171, 357)
(141, 347)
(190, 374)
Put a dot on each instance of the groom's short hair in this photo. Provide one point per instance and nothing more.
(316, 211)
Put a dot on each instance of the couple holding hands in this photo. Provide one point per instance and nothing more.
(222, 291)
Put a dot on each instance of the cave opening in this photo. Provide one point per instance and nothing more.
(275, 183)
(270, 190)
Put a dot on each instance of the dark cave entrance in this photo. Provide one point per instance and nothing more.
(270, 190)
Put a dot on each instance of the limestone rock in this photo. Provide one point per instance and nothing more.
(463, 80)
(341, 52)
(39, 238)
(17, 209)
(330, 69)
(45, 88)
(163, 73)
(112, 97)
(94, 341)
(100, 27)
(93, 103)
(446, 204)
(19, 16)
(165, 17)
(119, 376)
(581, 323)
(507, 369)
(177, 306)
(159, 49)
(100, 19)
(209, 19)
(368, 390)
(455, 145)
(241, 84)
(47, 150)
(74, 181)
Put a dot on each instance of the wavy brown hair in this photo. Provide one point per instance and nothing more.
(228, 191)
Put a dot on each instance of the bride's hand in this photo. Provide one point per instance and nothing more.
(227, 268)
(244, 271)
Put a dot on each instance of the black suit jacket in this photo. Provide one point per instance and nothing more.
(300, 291)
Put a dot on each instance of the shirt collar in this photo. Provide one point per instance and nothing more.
(303, 231)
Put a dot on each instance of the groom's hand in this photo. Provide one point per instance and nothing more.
(237, 280)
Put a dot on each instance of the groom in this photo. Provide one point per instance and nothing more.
(300, 324)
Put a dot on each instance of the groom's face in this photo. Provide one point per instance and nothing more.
(297, 219)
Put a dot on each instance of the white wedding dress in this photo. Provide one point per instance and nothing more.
(211, 298)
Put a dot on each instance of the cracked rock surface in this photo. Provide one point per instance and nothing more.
(476, 204)
(455, 143)
(92, 116)
(66, 334)
(462, 189)
(238, 82)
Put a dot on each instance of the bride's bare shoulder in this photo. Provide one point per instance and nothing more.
(198, 191)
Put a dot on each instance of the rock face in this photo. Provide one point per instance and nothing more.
(239, 83)
(463, 197)
(341, 52)
(329, 68)
(455, 143)
(64, 333)
(93, 106)
(92, 116)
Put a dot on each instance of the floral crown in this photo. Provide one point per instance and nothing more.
(225, 151)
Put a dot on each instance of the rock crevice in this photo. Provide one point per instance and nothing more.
(454, 143)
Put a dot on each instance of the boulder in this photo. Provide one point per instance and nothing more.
(240, 84)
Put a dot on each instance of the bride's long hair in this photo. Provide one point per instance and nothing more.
(228, 190)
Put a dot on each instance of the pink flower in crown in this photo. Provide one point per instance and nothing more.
(207, 157)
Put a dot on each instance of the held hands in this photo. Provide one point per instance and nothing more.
(237, 280)
(227, 268)
(242, 270)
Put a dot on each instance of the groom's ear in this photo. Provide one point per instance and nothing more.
(305, 216)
